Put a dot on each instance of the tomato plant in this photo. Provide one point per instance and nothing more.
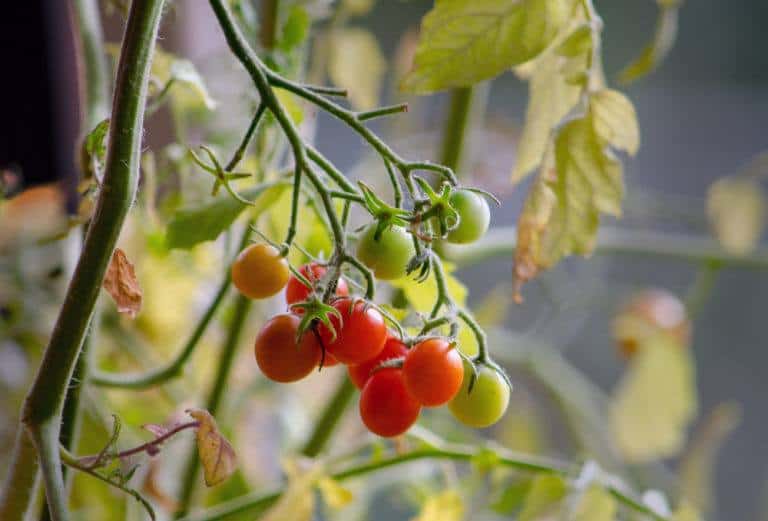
(371, 258)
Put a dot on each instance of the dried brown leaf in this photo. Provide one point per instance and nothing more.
(122, 285)
(216, 454)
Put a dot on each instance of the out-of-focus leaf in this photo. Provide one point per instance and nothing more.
(191, 226)
(216, 454)
(544, 498)
(422, 295)
(736, 208)
(298, 501)
(492, 310)
(655, 401)
(551, 97)
(443, 506)
(697, 468)
(357, 64)
(463, 43)
(579, 179)
(312, 235)
(357, 7)
(295, 28)
(512, 497)
(290, 104)
(595, 504)
(187, 84)
(663, 40)
(333, 493)
(686, 512)
(122, 285)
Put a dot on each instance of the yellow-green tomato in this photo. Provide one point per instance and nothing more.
(474, 216)
(259, 271)
(388, 256)
(487, 402)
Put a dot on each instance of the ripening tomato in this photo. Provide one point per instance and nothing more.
(359, 337)
(259, 271)
(386, 407)
(359, 374)
(296, 291)
(474, 216)
(279, 356)
(487, 402)
(388, 256)
(433, 371)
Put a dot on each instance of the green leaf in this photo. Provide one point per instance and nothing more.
(94, 149)
(736, 209)
(189, 227)
(357, 64)
(463, 43)
(595, 504)
(295, 28)
(512, 497)
(544, 498)
(655, 401)
(663, 40)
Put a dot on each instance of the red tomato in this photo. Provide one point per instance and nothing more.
(433, 371)
(361, 335)
(360, 373)
(386, 407)
(278, 354)
(296, 291)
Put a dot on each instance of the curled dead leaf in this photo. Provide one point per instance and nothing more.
(216, 453)
(122, 285)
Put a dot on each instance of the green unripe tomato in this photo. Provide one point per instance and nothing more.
(388, 257)
(487, 402)
(474, 216)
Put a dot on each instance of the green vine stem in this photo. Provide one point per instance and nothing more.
(94, 73)
(255, 503)
(42, 409)
(19, 486)
(454, 140)
(637, 243)
(226, 357)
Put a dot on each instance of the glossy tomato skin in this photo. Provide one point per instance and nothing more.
(361, 335)
(474, 216)
(278, 354)
(359, 374)
(433, 372)
(487, 402)
(388, 256)
(296, 291)
(259, 271)
(386, 407)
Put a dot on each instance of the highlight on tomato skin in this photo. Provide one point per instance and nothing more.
(296, 291)
(278, 354)
(433, 371)
(259, 271)
(360, 335)
(386, 406)
(360, 373)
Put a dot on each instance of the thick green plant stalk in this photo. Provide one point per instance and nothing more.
(43, 407)
(456, 128)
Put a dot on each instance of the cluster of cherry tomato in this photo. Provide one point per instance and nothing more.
(396, 379)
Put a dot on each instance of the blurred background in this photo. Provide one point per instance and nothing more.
(702, 116)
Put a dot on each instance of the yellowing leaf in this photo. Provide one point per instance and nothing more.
(615, 120)
(216, 454)
(297, 502)
(596, 504)
(551, 97)
(544, 498)
(422, 295)
(579, 179)
(357, 64)
(445, 506)
(466, 341)
(697, 468)
(333, 493)
(685, 512)
(655, 401)
(121, 284)
(463, 43)
(736, 209)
